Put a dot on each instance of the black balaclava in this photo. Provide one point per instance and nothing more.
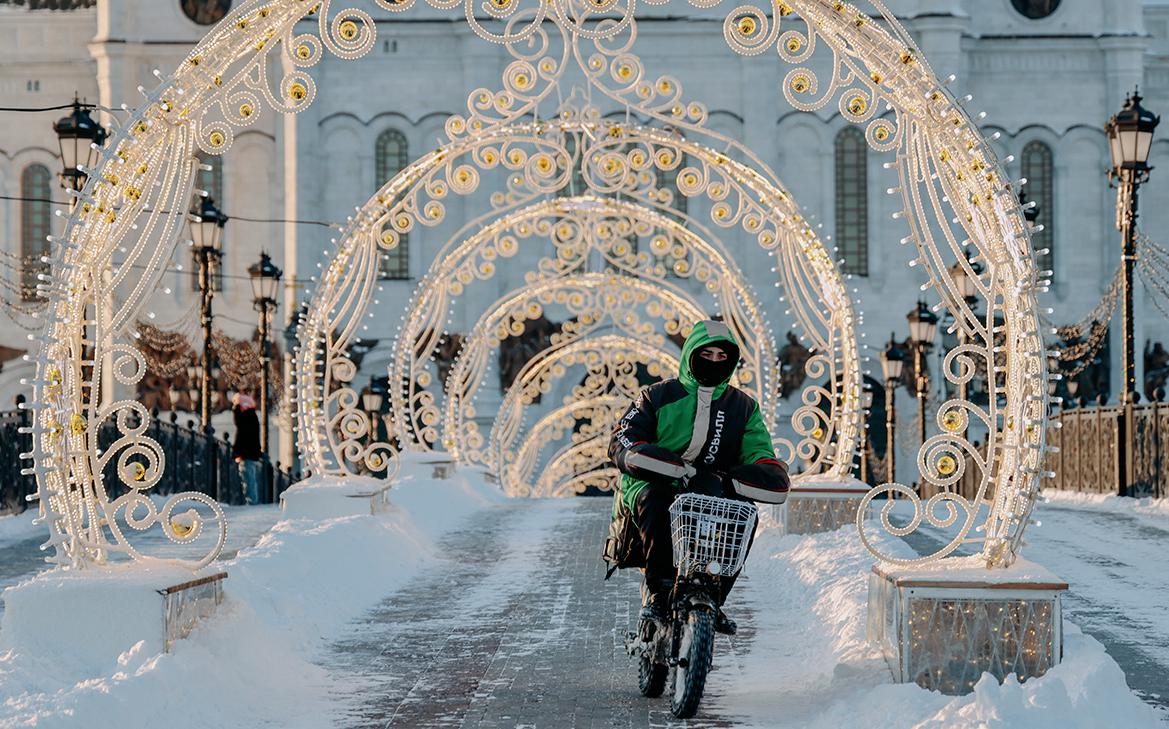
(713, 374)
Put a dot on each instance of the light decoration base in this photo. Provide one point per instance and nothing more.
(107, 610)
(328, 497)
(943, 625)
(818, 504)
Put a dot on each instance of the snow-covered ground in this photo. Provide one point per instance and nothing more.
(813, 588)
(20, 541)
(251, 665)
(308, 586)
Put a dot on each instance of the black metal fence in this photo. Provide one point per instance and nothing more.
(51, 4)
(1092, 453)
(195, 461)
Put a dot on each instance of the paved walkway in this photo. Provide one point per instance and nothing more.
(516, 629)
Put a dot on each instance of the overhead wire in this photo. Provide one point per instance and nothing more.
(243, 218)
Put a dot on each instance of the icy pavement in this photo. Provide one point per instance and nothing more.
(514, 628)
(459, 608)
(1112, 556)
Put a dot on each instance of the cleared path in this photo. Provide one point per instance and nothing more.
(515, 629)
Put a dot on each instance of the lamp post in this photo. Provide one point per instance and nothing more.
(207, 233)
(372, 400)
(79, 138)
(967, 286)
(1130, 133)
(194, 376)
(922, 325)
(265, 285)
(892, 363)
(866, 408)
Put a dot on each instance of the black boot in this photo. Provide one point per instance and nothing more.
(655, 599)
(724, 625)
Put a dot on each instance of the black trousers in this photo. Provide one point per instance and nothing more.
(653, 523)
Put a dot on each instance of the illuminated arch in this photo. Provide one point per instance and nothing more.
(576, 226)
(614, 157)
(130, 214)
(596, 303)
(610, 363)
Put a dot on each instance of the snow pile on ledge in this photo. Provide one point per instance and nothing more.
(810, 665)
(251, 664)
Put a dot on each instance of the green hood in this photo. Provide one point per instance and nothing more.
(704, 333)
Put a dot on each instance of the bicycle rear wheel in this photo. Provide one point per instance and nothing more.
(651, 677)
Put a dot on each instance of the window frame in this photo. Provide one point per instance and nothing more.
(36, 224)
(851, 171)
(1040, 188)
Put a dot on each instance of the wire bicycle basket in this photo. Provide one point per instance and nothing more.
(710, 534)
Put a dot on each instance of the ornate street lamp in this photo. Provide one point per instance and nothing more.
(923, 324)
(207, 224)
(892, 363)
(1130, 134)
(194, 376)
(77, 135)
(372, 400)
(265, 286)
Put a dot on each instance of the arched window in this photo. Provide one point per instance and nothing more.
(391, 155)
(212, 181)
(1040, 188)
(36, 186)
(852, 200)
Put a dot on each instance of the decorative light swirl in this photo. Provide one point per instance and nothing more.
(522, 462)
(956, 199)
(624, 159)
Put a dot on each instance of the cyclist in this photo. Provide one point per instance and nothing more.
(695, 432)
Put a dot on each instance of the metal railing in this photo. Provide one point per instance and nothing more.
(52, 4)
(195, 461)
(14, 487)
(1092, 443)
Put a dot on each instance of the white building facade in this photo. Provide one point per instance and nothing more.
(1048, 73)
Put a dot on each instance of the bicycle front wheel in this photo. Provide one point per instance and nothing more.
(695, 652)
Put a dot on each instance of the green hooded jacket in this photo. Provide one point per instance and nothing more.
(711, 428)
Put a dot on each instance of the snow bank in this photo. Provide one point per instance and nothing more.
(19, 527)
(810, 665)
(251, 664)
(1107, 502)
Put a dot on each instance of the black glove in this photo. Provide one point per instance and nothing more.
(706, 482)
(766, 481)
(651, 462)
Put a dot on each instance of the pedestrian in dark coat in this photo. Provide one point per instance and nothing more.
(246, 448)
